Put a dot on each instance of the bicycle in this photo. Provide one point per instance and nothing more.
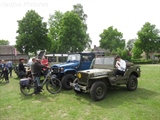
(53, 85)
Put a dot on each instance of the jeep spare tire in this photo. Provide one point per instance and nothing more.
(66, 81)
(98, 90)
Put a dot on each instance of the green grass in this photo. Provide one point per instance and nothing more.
(119, 104)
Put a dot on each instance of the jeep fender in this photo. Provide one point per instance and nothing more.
(103, 79)
(71, 71)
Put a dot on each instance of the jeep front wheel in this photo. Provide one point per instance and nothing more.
(132, 83)
(66, 81)
(98, 90)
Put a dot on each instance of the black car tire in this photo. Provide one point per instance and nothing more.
(132, 83)
(66, 81)
(98, 90)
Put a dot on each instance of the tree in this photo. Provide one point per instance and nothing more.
(149, 39)
(124, 53)
(136, 51)
(130, 44)
(4, 42)
(71, 34)
(78, 9)
(111, 39)
(32, 33)
(54, 27)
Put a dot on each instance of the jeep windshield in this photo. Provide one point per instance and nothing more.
(74, 57)
(104, 63)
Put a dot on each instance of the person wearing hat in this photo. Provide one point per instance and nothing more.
(120, 65)
(22, 70)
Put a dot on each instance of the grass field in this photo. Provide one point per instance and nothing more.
(119, 104)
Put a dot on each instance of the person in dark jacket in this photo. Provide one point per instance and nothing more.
(22, 70)
(5, 70)
(36, 69)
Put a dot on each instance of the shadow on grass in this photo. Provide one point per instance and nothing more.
(114, 97)
(43, 96)
(3, 83)
(118, 96)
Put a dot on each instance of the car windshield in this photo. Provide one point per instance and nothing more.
(74, 57)
(105, 61)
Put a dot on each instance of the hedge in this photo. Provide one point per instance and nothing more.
(137, 61)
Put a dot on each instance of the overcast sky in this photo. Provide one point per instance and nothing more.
(128, 16)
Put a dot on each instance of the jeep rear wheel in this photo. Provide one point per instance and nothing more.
(132, 83)
(98, 90)
(66, 81)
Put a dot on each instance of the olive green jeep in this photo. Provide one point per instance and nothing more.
(102, 76)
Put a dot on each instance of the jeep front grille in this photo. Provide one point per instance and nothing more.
(55, 70)
(83, 78)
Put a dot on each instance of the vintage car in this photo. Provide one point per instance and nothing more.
(102, 76)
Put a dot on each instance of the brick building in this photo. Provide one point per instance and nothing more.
(9, 52)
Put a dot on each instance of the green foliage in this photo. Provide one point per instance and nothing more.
(157, 55)
(71, 34)
(136, 51)
(4, 42)
(67, 34)
(142, 61)
(111, 39)
(32, 33)
(124, 53)
(78, 9)
(54, 28)
(130, 44)
(149, 39)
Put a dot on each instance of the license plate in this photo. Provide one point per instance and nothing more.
(76, 87)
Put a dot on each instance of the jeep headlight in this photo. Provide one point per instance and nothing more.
(138, 69)
(61, 69)
(79, 75)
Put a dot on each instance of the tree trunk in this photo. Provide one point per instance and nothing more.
(147, 55)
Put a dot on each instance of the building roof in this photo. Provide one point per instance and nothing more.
(8, 50)
(99, 49)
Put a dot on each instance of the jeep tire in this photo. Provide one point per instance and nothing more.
(132, 83)
(98, 90)
(66, 81)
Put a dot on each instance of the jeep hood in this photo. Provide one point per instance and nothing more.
(96, 71)
(66, 64)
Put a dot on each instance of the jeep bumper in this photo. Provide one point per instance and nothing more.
(78, 87)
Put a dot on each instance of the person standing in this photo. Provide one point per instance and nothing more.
(36, 69)
(44, 61)
(10, 66)
(120, 65)
(5, 70)
(22, 70)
